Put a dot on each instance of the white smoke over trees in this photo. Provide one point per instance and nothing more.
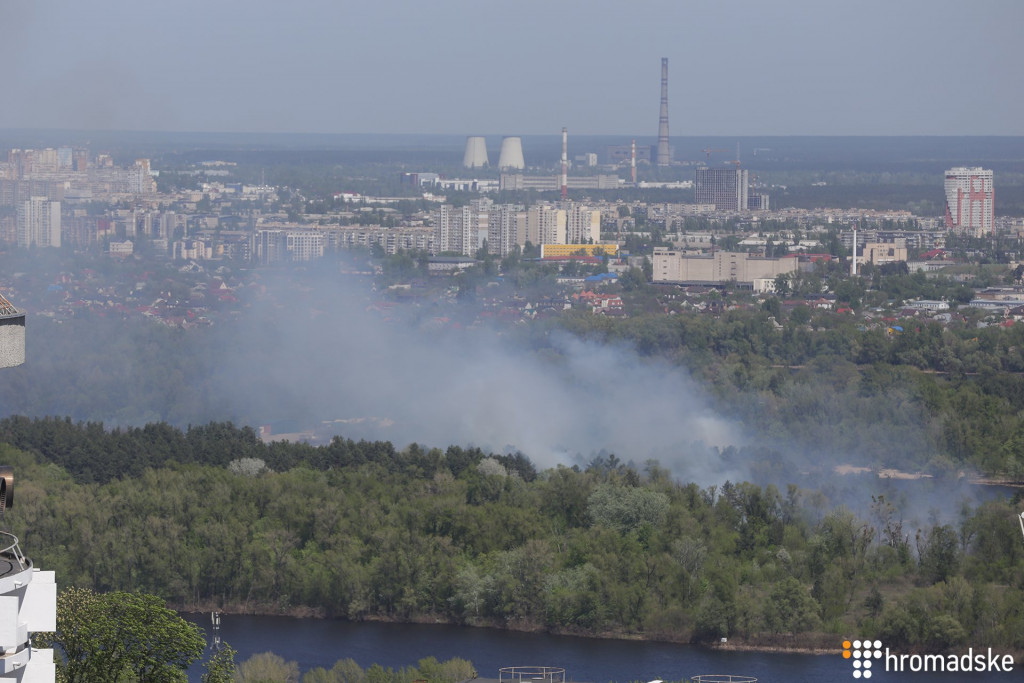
(332, 357)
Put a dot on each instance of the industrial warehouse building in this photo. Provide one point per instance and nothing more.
(672, 265)
(517, 182)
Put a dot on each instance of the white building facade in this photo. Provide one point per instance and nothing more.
(502, 229)
(970, 201)
(38, 223)
(545, 224)
(673, 265)
(583, 225)
(456, 230)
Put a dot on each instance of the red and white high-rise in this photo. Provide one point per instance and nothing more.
(970, 201)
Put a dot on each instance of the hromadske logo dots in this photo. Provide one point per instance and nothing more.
(862, 652)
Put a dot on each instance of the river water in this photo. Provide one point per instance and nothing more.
(320, 643)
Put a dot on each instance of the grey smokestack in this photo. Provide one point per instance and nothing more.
(632, 164)
(565, 163)
(663, 153)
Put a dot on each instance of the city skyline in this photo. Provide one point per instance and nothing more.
(795, 67)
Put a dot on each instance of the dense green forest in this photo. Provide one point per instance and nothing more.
(940, 398)
(360, 530)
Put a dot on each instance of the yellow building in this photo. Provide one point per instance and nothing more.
(560, 250)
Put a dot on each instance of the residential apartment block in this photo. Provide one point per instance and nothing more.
(970, 201)
(38, 223)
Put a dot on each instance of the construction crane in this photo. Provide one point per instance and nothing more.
(707, 150)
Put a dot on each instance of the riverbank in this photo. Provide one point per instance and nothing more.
(322, 643)
(811, 644)
(802, 644)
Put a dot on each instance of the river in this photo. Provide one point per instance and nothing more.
(320, 643)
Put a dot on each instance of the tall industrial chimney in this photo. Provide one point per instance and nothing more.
(853, 262)
(565, 163)
(663, 152)
(632, 164)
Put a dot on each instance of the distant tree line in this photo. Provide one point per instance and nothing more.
(364, 530)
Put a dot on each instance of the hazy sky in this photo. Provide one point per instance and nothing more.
(788, 67)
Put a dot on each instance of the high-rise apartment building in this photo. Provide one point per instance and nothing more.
(502, 229)
(564, 223)
(38, 223)
(65, 158)
(140, 178)
(545, 225)
(80, 160)
(275, 245)
(457, 229)
(970, 201)
(726, 188)
(582, 225)
(304, 245)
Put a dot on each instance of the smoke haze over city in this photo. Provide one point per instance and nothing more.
(373, 376)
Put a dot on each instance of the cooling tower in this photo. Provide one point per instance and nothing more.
(476, 152)
(511, 153)
(12, 335)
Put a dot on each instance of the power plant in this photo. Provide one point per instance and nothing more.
(511, 155)
(476, 152)
(664, 154)
(510, 158)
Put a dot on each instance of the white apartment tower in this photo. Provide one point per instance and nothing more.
(140, 178)
(567, 223)
(304, 245)
(545, 225)
(502, 229)
(582, 225)
(38, 223)
(455, 230)
(970, 201)
(481, 221)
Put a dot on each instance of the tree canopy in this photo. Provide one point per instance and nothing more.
(122, 636)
